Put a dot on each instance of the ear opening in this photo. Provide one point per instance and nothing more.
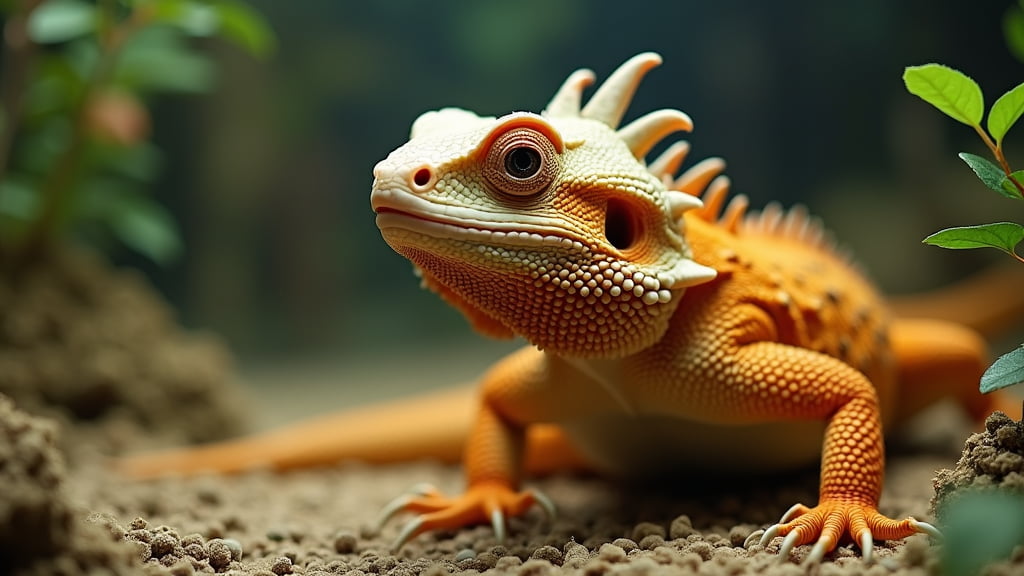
(623, 228)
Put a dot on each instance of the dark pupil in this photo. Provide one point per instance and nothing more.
(522, 162)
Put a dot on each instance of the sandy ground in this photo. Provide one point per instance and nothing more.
(317, 522)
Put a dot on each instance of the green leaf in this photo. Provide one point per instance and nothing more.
(1005, 112)
(1013, 31)
(988, 173)
(140, 162)
(192, 17)
(1001, 236)
(244, 26)
(61, 20)
(1009, 188)
(949, 90)
(1008, 370)
(19, 199)
(234, 21)
(146, 227)
(158, 58)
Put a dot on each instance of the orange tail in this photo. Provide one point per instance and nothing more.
(991, 302)
(431, 426)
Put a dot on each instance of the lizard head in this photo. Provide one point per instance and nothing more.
(548, 226)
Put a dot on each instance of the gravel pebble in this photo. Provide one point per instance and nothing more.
(282, 565)
(611, 553)
(345, 542)
(549, 553)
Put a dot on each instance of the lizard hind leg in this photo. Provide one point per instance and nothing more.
(936, 360)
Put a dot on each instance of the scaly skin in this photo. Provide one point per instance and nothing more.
(552, 227)
(651, 316)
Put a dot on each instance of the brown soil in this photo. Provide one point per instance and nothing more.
(100, 351)
(992, 460)
(79, 518)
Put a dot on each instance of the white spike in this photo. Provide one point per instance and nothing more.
(643, 133)
(609, 103)
(668, 162)
(566, 102)
(679, 202)
(697, 177)
(686, 272)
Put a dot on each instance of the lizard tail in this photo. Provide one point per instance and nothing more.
(990, 302)
(431, 426)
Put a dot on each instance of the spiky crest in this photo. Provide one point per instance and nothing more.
(704, 180)
(702, 186)
(612, 98)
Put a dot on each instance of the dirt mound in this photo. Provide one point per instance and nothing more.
(41, 532)
(87, 345)
(992, 458)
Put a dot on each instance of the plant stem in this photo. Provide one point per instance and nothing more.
(56, 189)
(997, 151)
(18, 55)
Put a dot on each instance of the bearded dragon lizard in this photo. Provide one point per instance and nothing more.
(655, 310)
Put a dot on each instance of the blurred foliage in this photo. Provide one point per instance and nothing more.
(76, 161)
(981, 527)
(1013, 29)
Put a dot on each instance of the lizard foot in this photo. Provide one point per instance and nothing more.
(826, 523)
(486, 502)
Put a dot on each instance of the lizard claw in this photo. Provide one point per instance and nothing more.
(827, 522)
(483, 503)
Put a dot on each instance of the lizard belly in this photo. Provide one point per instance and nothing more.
(624, 445)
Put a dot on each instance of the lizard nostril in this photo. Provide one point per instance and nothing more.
(422, 179)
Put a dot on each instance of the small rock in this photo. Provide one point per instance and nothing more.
(681, 527)
(611, 553)
(652, 541)
(345, 542)
(549, 553)
(219, 553)
(626, 544)
(645, 529)
(282, 565)
(465, 554)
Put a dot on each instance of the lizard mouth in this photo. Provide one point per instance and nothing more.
(398, 211)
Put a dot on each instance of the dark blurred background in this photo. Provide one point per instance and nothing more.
(270, 175)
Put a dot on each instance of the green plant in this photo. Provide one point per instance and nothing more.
(76, 160)
(960, 98)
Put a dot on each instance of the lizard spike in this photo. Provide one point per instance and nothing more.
(668, 162)
(678, 203)
(609, 103)
(696, 179)
(643, 133)
(714, 198)
(735, 211)
(566, 102)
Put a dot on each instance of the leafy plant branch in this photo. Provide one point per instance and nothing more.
(960, 98)
(75, 158)
(17, 61)
(55, 192)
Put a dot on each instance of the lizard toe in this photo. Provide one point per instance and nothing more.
(825, 524)
(491, 503)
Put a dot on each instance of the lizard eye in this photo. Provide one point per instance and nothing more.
(521, 162)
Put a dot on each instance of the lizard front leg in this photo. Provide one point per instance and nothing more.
(515, 397)
(734, 370)
(772, 381)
